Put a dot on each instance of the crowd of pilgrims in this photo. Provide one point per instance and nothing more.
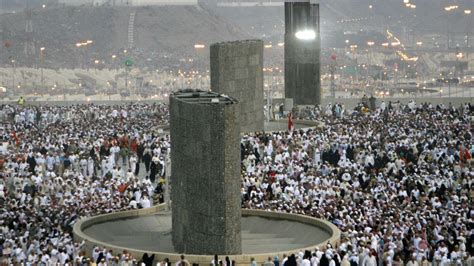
(62, 163)
(396, 180)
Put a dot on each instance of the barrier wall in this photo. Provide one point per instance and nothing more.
(350, 103)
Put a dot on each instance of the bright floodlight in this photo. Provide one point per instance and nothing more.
(306, 34)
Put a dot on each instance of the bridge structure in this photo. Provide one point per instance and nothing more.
(249, 3)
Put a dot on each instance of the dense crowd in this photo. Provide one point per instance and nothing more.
(396, 180)
(62, 163)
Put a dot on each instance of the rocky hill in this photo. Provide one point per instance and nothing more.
(157, 31)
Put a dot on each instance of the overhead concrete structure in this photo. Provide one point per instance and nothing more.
(302, 53)
(237, 71)
(127, 2)
(249, 3)
(205, 176)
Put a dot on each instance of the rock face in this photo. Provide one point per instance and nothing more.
(157, 31)
(205, 176)
(237, 71)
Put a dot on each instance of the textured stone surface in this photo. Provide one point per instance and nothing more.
(237, 71)
(302, 57)
(205, 176)
(259, 235)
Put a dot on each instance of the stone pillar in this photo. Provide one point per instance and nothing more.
(302, 57)
(205, 177)
(237, 71)
(288, 105)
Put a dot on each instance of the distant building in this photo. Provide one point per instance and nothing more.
(126, 2)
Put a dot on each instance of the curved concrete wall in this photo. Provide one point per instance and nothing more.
(90, 242)
(299, 124)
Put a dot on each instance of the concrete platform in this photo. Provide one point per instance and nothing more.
(264, 234)
(259, 234)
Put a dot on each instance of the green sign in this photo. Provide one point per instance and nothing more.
(128, 63)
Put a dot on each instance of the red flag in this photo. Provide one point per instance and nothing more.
(122, 188)
(290, 122)
(15, 138)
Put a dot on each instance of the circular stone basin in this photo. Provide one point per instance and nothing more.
(259, 234)
(264, 234)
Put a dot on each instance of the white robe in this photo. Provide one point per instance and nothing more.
(90, 167)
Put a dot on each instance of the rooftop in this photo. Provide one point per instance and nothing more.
(203, 97)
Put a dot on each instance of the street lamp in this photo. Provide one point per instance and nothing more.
(42, 49)
(467, 11)
(449, 8)
(306, 35)
(199, 46)
(84, 44)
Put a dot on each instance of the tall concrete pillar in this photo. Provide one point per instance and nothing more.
(237, 71)
(205, 176)
(302, 54)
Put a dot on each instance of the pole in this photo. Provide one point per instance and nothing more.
(449, 89)
(42, 66)
(333, 81)
(126, 78)
(447, 33)
(167, 183)
(14, 73)
(367, 67)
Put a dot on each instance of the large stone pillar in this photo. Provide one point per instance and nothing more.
(205, 177)
(237, 71)
(302, 55)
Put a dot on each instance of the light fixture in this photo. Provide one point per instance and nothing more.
(306, 35)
